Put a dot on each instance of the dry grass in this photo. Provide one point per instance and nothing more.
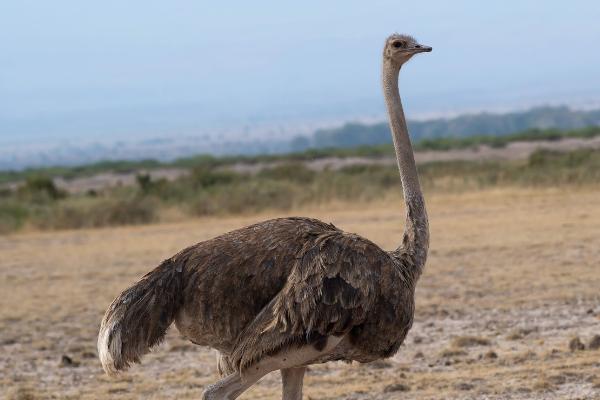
(470, 341)
(501, 262)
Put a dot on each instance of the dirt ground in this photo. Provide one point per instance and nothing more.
(513, 276)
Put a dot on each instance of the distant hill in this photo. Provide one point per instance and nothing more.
(28, 154)
(482, 124)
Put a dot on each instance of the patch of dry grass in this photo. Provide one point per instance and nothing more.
(470, 341)
(501, 262)
(452, 352)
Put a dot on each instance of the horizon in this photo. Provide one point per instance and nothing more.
(165, 150)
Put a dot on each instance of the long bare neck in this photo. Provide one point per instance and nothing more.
(415, 241)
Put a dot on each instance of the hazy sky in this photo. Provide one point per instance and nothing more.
(114, 68)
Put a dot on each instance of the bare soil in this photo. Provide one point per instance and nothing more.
(513, 276)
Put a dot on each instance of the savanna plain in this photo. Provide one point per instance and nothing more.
(508, 308)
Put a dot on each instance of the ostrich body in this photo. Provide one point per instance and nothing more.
(284, 293)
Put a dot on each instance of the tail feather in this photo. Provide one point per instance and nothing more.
(139, 317)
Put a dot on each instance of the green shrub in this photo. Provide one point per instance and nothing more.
(212, 190)
(39, 189)
(205, 177)
(5, 192)
(144, 182)
(148, 186)
(244, 197)
(292, 172)
(92, 213)
(12, 216)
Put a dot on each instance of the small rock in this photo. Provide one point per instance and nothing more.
(419, 354)
(396, 387)
(590, 311)
(117, 390)
(557, 379)
(490, 355)
(523, 389)
(516, 335)
(552, 354)
(594, 343)
(67, 361)
(88, 354)
(452, 352)
(575, 344)
(464, 386)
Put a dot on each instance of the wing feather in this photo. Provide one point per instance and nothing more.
(331, 288)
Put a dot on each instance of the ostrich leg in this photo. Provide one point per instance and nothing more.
(293, 360)
(292, 379)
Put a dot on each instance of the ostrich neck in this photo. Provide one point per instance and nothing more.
(415, 241)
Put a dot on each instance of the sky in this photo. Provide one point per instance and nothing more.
(114, 69)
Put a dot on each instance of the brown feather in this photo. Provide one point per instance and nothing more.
(283, 282)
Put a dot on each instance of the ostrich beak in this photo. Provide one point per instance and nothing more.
(421, 49)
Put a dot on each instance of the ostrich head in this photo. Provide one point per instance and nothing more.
(400, 48)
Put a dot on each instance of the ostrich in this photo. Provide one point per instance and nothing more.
(284, 293)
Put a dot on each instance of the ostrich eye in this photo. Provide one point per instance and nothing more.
(397, 44)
